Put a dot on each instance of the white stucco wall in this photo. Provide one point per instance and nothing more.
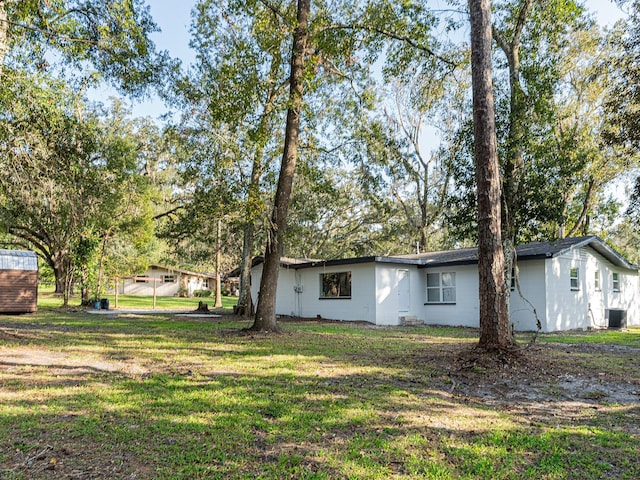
(163, 289)
(530, 300)
(585, 308)
(567, 309)
(285, 295)
(392, 300)
(545, 284)
(464, 313)
(361, 305)
(628, 298)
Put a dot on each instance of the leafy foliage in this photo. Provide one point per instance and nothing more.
(623, 103)
(68, 181)
(110, 35)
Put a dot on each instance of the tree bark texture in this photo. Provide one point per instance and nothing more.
(218, 303)
(265, 319)
(513, 170)
(495, 333)
(244, 300)
(262, 134)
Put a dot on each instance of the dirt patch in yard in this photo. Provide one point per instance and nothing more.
(542, 373)
(60, 363)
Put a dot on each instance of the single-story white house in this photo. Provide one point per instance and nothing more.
(167, 282)
(573, 283)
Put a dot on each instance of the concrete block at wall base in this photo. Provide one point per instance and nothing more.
(410, 321)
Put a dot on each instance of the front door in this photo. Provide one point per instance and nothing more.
(404, 292)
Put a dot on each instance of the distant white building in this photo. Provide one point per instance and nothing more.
(167, 282)
(574, 283)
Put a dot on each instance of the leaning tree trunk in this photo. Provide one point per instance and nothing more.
(265, 319)
(494, 319)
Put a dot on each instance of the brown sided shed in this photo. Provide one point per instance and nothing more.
(18, 281)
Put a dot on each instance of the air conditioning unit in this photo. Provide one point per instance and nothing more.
(616, 318)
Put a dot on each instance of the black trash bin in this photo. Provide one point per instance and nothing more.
(104, 304)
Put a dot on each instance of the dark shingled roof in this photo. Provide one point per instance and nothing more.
(530, 251)
(559, 247)
(469, 256)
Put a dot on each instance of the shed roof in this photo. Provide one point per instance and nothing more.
(18, 260)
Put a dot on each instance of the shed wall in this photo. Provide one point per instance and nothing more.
(18, 291)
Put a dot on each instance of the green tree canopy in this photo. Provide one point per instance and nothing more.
(69, 177)
(110, 35)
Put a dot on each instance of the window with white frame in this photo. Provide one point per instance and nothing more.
(335, 285)
(441, 287)
(616, 282)
(596, 280)
(169, 278)
(574, 278)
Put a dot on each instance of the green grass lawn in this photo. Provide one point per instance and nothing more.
(47, 299)
(166, 397)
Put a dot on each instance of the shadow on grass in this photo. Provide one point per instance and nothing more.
(319, 402)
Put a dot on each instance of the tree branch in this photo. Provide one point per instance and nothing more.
(48, 33)
(167, 213)
(276, 11)
(394, 36)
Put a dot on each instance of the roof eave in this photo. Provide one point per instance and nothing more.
(610, 254)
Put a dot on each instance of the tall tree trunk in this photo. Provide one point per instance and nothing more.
(59, 273)
(63, 272)
(494, 319)
(265, 318)
(253, 198)
(513, 165)
(244, 298)
(103, 254)
(218, 303)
